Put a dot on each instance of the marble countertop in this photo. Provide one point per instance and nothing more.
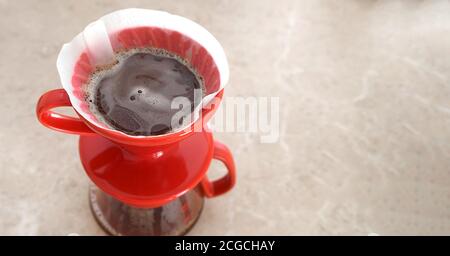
(364, 92)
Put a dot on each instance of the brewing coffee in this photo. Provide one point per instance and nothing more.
(135, 95)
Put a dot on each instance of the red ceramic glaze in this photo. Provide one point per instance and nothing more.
(143, 176)
(145, 171)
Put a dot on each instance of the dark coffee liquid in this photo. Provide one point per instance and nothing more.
(135, 95)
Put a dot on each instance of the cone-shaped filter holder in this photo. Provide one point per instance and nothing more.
(139, 28)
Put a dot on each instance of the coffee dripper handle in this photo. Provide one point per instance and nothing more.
(68, 124)
(224, 184)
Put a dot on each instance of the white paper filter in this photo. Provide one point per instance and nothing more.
(99, 40)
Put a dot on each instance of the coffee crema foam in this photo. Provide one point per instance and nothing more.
(134, 94)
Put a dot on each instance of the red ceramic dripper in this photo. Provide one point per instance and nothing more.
(145, 174)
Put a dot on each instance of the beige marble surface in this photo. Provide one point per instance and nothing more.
(364, 90)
